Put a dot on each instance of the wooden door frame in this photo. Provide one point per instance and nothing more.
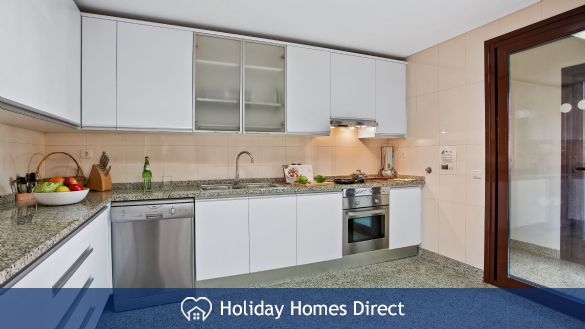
(572, 126)
(496, 76)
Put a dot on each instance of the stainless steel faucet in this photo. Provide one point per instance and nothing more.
(238, 162)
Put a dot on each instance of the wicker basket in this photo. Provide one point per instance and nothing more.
(79, 176)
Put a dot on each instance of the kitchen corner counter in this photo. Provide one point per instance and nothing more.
(26, 233)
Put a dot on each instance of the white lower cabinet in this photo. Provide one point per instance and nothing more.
(81, 262)
(272, 232)
(405, 217)
(319, 227)
(222, 245)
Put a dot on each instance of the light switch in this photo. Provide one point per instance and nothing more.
(476, 174)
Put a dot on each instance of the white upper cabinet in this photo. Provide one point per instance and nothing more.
(319, 227)
(40, 64)
(390, 98)
(405, 217)
(353, 87)
(308, 90)
(155, 78)
(98, 73)
(222, 244)
(273, 232)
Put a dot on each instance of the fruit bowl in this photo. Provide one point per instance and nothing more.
(60, 198)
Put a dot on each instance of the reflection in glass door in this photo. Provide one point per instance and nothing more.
(264, 87)
(547, 164)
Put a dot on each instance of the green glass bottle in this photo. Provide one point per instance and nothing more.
(146, 176)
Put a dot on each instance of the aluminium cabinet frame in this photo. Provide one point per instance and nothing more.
(242, 100)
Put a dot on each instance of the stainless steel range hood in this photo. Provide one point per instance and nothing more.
(357, 123)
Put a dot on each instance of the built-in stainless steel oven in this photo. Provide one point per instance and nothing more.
(365, 219)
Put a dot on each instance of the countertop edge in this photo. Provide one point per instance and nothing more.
(8, 274)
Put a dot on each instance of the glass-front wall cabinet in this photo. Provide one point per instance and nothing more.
(219, 79)
(217, 83)
(264, 86)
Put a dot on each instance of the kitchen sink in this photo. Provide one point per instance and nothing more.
(225, 187)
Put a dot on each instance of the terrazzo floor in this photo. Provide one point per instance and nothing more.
(427, 270)
(545, 269)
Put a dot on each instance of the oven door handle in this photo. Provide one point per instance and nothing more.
(366, 213)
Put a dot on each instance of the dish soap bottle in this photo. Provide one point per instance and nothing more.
(146, 176)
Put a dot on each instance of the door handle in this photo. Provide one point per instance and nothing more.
(578, 169)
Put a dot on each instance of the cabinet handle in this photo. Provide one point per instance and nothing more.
(87, 317)
(71, 270)
(366, 213)
(75, 303)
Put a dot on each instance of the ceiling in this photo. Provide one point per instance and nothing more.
(392, 28)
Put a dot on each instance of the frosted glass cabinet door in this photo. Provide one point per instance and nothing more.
(155, 78)
(264, 98)
(217, 83)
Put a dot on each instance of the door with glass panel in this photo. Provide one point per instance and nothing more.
(547, 164)
(264, 87)
(217, 84)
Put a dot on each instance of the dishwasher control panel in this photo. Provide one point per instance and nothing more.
(157, 211)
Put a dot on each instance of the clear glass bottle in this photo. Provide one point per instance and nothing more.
(146, 176)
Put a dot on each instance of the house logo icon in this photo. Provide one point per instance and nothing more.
(196, 309)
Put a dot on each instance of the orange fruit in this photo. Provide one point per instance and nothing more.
(57, 179)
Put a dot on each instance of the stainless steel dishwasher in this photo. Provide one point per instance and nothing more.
(152, 251)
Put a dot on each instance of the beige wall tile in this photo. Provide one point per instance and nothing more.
(452, 63)
(430, 225)
(475, 233)
(324, 160)
(211, 155)
(406, 160)
(474, 50)
(411, 121)
(212, 172)
(452, 188)
(427, 79)
(104, 139)
(428, 156)
(212, 139)
(554, 7)
(452, 236)
(411, 79)
(453, 116)
(521, 18)
(427, 120)
(427, 56)
(475, 114)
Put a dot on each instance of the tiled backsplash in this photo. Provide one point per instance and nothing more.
(210, 156)
(20, 152)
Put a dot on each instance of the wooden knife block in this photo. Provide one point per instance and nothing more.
(98, 180)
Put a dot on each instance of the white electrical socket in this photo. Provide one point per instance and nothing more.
(85, 154)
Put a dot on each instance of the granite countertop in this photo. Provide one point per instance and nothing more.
(27, 232)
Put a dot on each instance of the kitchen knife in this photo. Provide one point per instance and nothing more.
(108, 170)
